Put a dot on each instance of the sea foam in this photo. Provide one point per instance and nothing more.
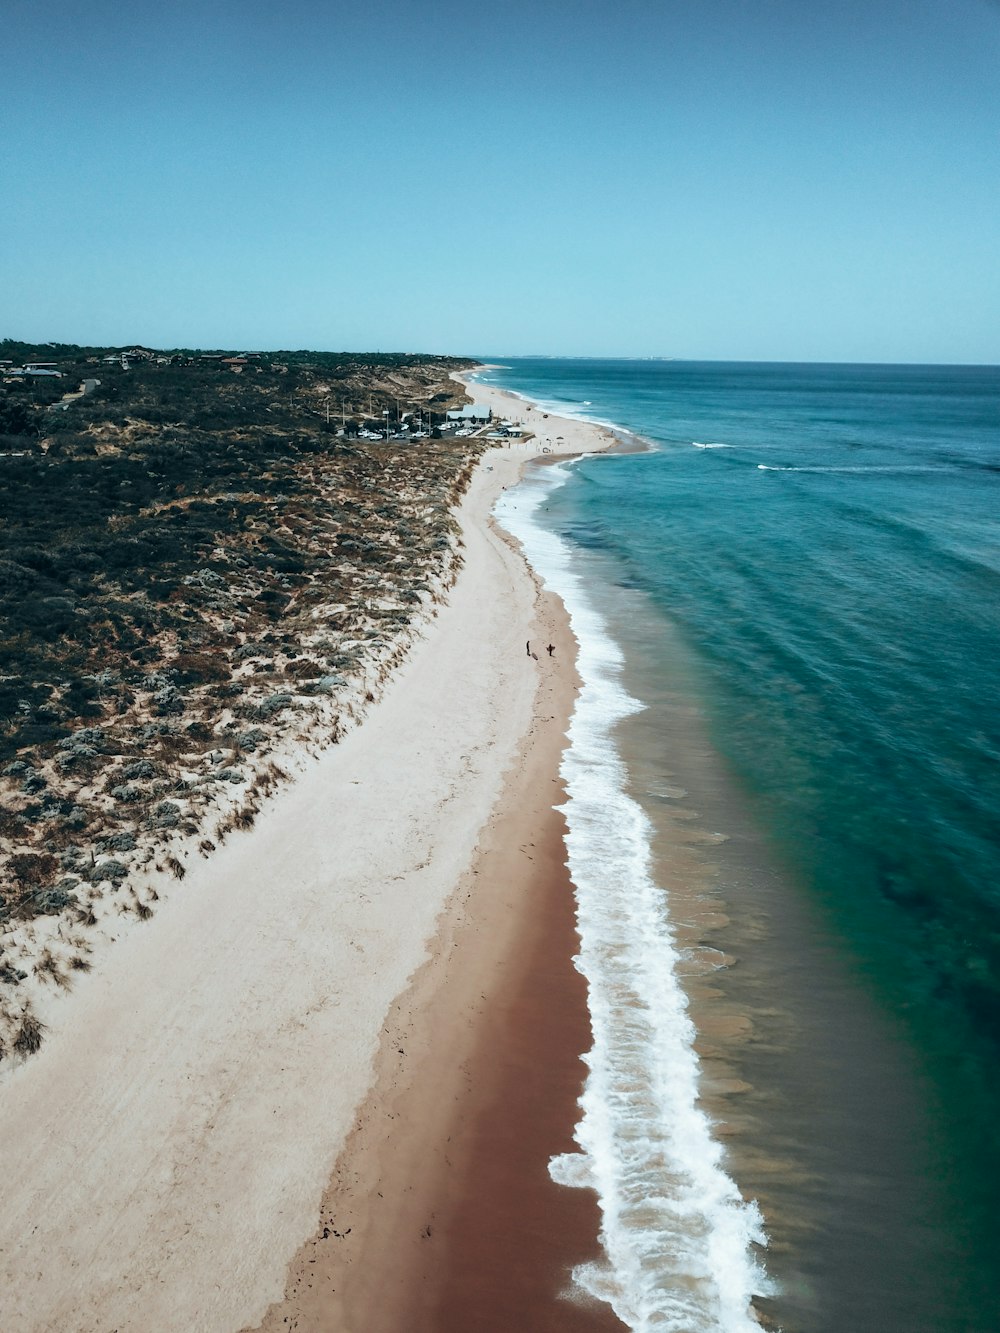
(678, 1238)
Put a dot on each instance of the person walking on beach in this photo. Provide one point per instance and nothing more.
(550, 649)
(527, 647)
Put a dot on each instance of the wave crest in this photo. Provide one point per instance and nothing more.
(677, 1235)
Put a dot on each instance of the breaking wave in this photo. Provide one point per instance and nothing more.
(679, 1241)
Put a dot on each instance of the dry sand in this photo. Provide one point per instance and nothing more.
(169, 1151)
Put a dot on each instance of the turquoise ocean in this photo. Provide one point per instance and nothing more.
(784, 828)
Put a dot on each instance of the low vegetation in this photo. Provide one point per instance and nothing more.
(201, 560)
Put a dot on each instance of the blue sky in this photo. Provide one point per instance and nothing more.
(746, 179)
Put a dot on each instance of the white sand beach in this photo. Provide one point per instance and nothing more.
(165, 1155)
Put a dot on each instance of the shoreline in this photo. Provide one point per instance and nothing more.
(441, 1214)
(203, 1083)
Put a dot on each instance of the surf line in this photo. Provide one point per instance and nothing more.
(680, 1243)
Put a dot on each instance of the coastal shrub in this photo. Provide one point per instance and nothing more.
(33, 868)
(199, 731)
(303, 668)
(121, 842)
(111, 870)
(274, 601)
(31, 813)
(168, 701)
(36, 733)
(151, 731)
(330, 682)
(251, 739)
(49, 617)
(142, 768)
(229, 775)
(17, 418)
(75, 755)
(160, 680)
(46, 902)
(29, 1036)
(126, 794)
(200, 668)
(56, 807)
(11, 824)
(145, 654)
(82, 698)
(205, 578)
(274, 704)
(48, 969)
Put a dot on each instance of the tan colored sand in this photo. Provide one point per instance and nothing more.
(441, 1215)
(165, 1155)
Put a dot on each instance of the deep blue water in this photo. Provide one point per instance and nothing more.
(826, 541)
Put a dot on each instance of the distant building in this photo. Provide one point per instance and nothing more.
(470, 415)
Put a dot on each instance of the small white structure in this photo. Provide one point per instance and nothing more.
(470, 414)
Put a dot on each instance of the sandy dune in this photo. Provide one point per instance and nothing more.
(165, 1155)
